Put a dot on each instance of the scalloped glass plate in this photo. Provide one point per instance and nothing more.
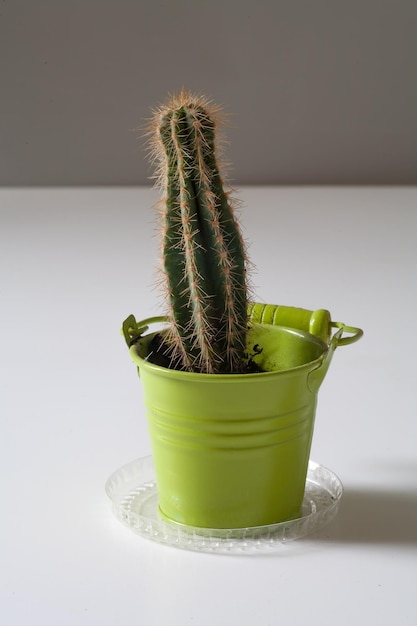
(133, 493)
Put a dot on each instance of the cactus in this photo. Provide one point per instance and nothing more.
(204, 260)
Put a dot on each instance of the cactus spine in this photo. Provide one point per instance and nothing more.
(203, 252)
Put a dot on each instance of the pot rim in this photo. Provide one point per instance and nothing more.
(134, 332)
(244, 377)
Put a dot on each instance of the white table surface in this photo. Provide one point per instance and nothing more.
(74, 264)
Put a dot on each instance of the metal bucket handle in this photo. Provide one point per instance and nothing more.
(338, 340)
(133, 330)
(316, 376)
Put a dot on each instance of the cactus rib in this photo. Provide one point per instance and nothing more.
(203, 251)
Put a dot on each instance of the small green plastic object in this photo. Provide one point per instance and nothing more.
(317, 323)
(232, 450)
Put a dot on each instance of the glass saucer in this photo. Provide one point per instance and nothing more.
(132, 491)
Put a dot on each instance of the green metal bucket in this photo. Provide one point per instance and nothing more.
(232, 450)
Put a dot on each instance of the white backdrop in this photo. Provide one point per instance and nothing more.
(74, 263)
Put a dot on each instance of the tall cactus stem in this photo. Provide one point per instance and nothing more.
(204, 260)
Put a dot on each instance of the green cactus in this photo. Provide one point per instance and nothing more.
(204, 261)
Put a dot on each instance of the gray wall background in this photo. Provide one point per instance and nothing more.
(319, 91)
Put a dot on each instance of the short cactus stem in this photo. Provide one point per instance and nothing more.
(203, 252)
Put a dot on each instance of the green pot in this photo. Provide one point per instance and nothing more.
(232, 450)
